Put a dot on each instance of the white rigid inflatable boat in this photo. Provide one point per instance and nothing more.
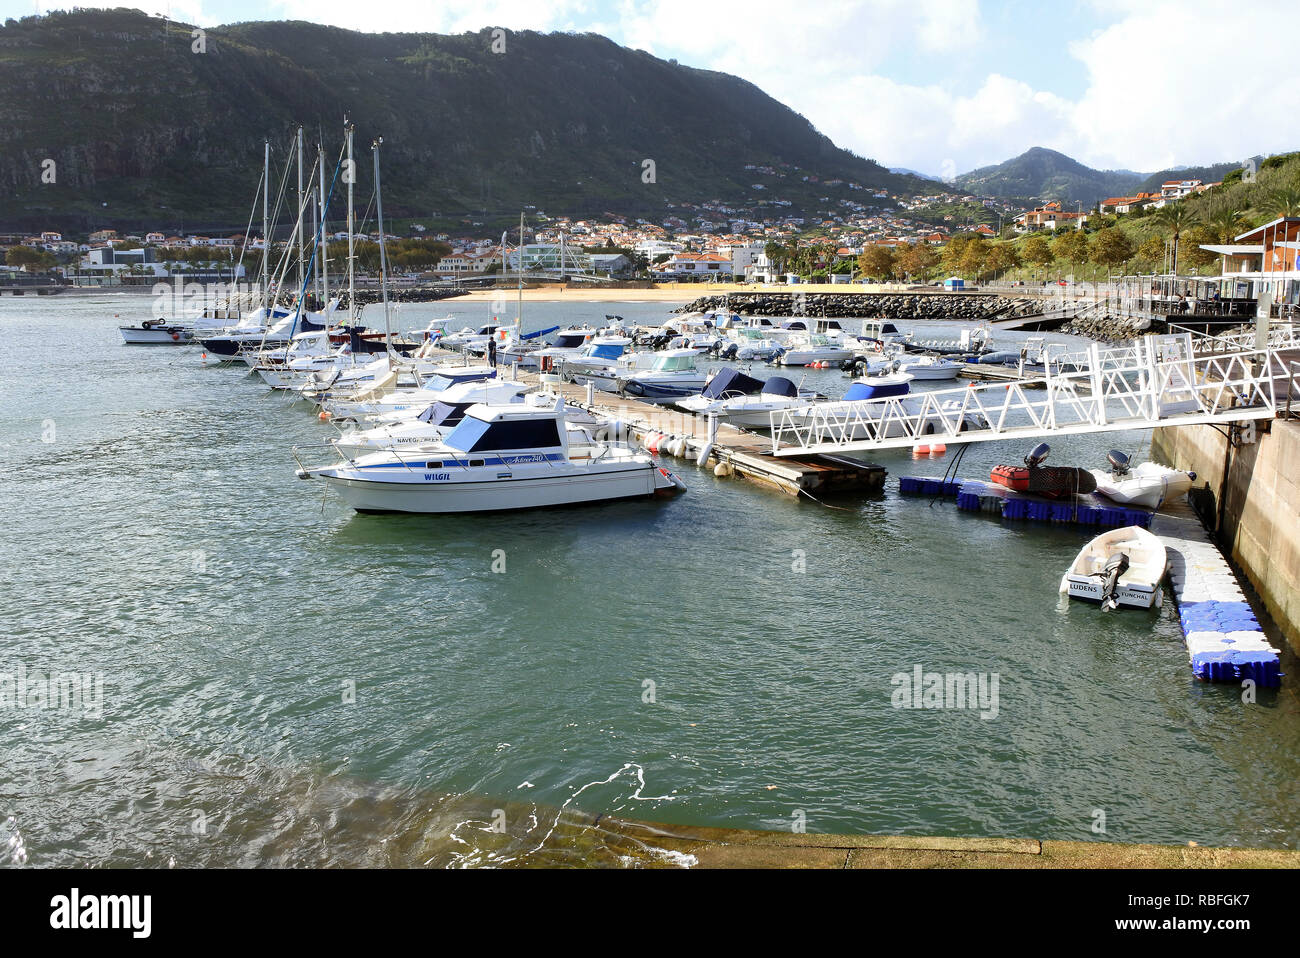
(1149, 485)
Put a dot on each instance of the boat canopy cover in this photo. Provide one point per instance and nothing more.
(780, 386)
(794, 324)
(445, 413)
(448, 379)
(875, 390)
(731, 381)
(540, 332)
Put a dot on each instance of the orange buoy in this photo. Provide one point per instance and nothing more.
(938, 449)
(921, 449)
(324, 416)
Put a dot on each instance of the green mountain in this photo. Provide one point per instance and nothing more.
(1041, 174)
(145, 132)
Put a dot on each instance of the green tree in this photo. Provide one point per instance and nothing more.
(1038, 251)
(1193, 239)
(973, 259)
(1284, 201)
(25, 257)
(1001, 257)
(955, 249)
(877, 261)
(1110, 247)
(1226, 223)
(1072, 247)
(917, 260)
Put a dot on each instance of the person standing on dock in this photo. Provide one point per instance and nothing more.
(492, 351)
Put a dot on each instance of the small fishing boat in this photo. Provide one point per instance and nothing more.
(814, 349)
(159, 332)
(1149, 484)
(1119, 567)
(1053, 482)
(505, 457)
(879, 387)
(928, 367)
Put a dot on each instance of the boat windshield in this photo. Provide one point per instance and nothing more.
(476, 435)
(674, 363)
(569, 340)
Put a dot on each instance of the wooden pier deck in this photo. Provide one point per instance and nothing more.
(749, 454)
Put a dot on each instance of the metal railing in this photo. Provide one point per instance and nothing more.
(1160, 380)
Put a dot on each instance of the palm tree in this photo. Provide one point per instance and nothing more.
(1283, 202)
(1226, 223)
(1174, 219)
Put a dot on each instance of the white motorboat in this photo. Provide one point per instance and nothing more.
(1119, 567)
(436, 380)
(744, 401)
(927, 368)
(673, 375)
(814, 349)
(1149, 484)
(415, 427)
(514, 456)
(600, 354)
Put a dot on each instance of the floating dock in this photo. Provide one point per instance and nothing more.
(1224, 640)
(749, 454)
(974, 495)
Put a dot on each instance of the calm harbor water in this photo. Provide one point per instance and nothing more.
(155, 537)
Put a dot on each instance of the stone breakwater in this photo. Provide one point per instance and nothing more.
(409, 294)
(962, 306)
(1100, 325)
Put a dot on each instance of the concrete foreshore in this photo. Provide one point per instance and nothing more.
(733, 848)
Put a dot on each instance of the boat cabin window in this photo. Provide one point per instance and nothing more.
(570, 340)
(433, 465)
(475, 435)
(476, 462)
(674, 363)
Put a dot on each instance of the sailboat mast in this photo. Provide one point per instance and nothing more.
(266, 231)
(302, 267)
(323, 240)
(520, 310)
(352, 286)
(383, 253)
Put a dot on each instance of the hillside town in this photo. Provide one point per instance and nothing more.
(703, 242)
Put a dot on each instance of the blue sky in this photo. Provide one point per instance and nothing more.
(940, 86)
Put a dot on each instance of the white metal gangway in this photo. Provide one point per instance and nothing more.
(1158, 381)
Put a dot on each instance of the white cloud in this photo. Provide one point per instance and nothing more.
(1188, 82)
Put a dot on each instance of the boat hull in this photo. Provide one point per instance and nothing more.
(156, 336)
(435, 496)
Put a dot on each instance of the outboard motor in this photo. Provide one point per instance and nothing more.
(1037, 455)
(1115, 567)
(1118, 462)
